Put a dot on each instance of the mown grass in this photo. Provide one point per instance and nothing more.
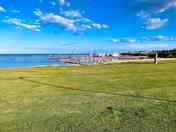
(126, 97)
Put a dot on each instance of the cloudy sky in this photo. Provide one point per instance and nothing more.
(79, 26)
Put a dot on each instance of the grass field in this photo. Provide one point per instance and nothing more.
(125, 97)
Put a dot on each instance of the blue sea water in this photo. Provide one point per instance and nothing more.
(25, 60)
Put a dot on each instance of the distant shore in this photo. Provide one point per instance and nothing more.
(143, 60)
(117, 61)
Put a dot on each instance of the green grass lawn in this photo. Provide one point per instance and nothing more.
(125, 97)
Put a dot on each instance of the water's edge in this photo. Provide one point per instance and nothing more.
(27, 60)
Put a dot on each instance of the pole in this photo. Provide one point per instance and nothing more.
(156, 58)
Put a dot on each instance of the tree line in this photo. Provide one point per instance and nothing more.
(151, 54)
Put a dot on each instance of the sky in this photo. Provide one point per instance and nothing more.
(86, 26)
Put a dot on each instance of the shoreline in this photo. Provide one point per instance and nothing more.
(73, 65)
(113, 62)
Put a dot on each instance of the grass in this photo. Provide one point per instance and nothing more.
(125, 97)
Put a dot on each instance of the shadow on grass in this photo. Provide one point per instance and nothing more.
(97, 91)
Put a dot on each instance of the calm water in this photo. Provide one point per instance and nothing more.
(10, 61)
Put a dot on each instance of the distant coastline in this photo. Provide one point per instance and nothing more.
(113, 62)
(46, 60)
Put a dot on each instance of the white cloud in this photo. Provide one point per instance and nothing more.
(96, 25)
(147, 9)
(168, 5)
(99, 26)
(151, 46)
(157, 38)
(38, 13)
(75, 23)
(124, 40)
(83, 20)
(56, 19)
(90, 26)
(155, 6)
(160, 38)
(143, 14)
(2, 9)
(114, 40)
(105, 26)
(19, 23)
(155, 23)
(62, 2)
(72, 13)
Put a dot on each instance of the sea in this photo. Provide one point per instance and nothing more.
(27, 60)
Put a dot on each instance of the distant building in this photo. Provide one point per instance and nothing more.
(115, 54)
(101, 54)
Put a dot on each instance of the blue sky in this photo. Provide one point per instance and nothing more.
(81, 26)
